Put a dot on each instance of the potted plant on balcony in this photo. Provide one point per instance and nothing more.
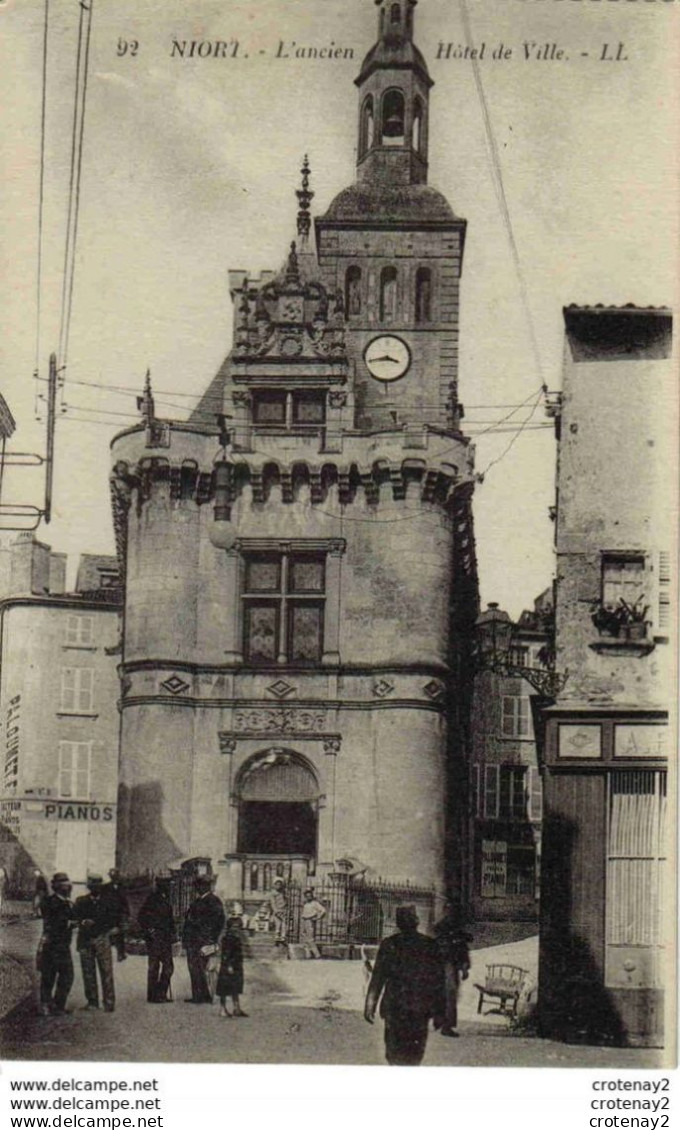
(634, 619)
(621, 621)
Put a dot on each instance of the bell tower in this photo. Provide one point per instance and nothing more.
(393, 247)
(394, 86)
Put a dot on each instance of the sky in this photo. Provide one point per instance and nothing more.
(189, 169)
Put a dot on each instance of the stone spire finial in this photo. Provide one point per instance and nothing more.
(145, 403)
(292, 267)
(305, 197)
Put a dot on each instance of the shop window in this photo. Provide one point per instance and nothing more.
(635, 874)
(515, 716)
(367, 131)
(74, 770)
(423, 294)
(297, 410)
(393, 118)
(388, 294)
(283, 607)
(79, 631)
(521, 870)
(353, 290)
(77, 690)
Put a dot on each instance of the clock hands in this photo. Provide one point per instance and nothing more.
(386, 357)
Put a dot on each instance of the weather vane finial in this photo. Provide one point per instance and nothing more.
(305, 197)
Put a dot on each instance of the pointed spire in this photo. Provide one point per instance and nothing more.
(305, 197)
(292, 267)
(145, 403)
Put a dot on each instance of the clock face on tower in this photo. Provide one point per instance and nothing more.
(387, 357)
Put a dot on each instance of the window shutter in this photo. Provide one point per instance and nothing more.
(85, 689)
(68, 688)
(65, 768)
(491, 791)
(664, 591)
(82, 770)
(535, 794)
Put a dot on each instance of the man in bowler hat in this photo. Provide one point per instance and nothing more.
(54, 960)
(408, 975)
(97, 917)
(202, 927)
(157, 923)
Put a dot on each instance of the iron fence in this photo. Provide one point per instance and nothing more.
(357, 912)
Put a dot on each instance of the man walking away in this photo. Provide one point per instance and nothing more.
(120, 909)
(54, 961)
(157, 923)
(452, 940)
(312, 912)
(408, 975)
(202, 928)
(96, 918)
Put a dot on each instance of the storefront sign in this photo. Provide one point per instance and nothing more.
(12, 744)
(494, 868)
(94, 813)
(641, 741)
(580, 741)
(10, 815)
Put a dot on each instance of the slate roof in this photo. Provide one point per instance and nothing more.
(389, 204)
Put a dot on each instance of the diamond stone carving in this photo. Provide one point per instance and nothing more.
(175, 685)
(434, 689)
(281, 689)
(382, 688)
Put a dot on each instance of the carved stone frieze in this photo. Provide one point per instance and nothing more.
(284, 720)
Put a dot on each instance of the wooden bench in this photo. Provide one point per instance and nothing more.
(505, 983)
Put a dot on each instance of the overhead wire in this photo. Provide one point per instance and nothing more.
(41, 205)
(499, 186)
(75, 176)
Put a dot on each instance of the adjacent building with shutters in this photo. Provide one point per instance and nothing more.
(59, 690)
(506, 787)
(607, 900)
(299, 555)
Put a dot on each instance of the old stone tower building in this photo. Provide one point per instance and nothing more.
(299, 576)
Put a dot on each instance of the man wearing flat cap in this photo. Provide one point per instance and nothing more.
(54, 960)
(96, 918)
(409, 977)
(202, 928)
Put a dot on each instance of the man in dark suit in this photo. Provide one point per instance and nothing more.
(115, 893)
(202, 928)
(409, 976)
(453, 939)
(157, 923)
(96, 917)
(54, 953)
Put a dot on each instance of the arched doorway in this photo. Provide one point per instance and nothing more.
(278, 795)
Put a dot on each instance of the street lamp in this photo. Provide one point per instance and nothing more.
(495, 631)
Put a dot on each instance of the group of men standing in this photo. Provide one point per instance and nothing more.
(100, 918)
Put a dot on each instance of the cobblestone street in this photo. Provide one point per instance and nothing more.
(298, 1012)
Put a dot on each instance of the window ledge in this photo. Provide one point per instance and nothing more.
(615, 646)
(76, 714)
(79, 647)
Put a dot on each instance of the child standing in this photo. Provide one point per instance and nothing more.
(230, 976)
